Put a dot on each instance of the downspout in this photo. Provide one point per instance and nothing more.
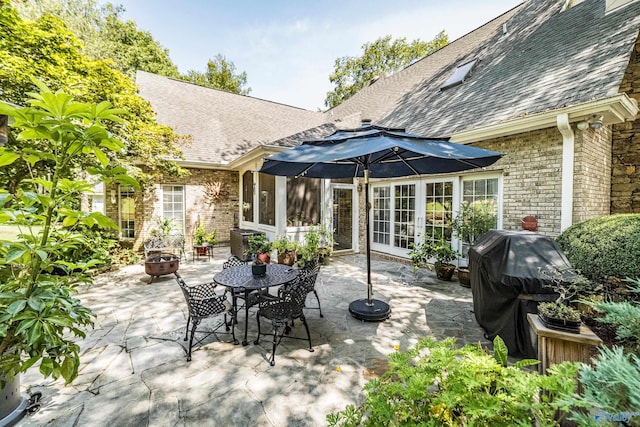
(568, 152)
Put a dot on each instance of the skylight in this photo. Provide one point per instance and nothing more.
(459, 74)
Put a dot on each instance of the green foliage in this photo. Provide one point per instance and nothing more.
(40, 269)
(105, 35)
(474, 220)
(435, 384)
(220, 74)
(47, 49)
(421, 253)
(258, 244)
(283, 244)
(625, 316)
(199, 236)
(164, 227)
(604, 246)
(609, 389)
(383, 56)
(558, 310)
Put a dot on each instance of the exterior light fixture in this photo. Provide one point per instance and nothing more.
(583, 125)
(596, 123)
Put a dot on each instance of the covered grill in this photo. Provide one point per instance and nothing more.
(507, 282)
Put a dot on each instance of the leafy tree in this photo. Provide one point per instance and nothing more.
(39, 317)
(378, 58)
(220, 74)
(47, 49)
(105, 35)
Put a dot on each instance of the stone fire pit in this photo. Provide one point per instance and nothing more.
(157, 265)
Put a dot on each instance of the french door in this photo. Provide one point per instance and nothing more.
(405, 211)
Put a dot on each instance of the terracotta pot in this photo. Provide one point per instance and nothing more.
(444, 271)
(266, 258)
(464, 277)
(287, 257)
(203, 250)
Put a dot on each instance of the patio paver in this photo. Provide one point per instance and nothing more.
(134, 371)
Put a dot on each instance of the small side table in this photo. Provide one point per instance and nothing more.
(558, 346)
(201, 250)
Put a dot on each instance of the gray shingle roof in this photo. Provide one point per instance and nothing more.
(223, 125)
(380, 98)
(549, 59)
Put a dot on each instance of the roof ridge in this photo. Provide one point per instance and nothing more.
(226, 92)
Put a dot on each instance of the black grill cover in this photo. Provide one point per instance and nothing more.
(506, 283)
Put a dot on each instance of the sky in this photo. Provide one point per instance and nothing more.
(288, 48)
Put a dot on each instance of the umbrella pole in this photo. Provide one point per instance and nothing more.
(368, 228)
(369, 310)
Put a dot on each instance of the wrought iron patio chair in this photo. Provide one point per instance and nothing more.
(282, 310)
(310, 271)
(202, 302)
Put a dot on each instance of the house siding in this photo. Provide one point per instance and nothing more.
(625, 171)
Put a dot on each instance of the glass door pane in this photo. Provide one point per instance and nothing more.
(404, 215)
(342, 219)
(438, 210)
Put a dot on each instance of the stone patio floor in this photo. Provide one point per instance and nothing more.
(133, 363)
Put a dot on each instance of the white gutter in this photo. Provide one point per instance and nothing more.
(194, 164)
(614, 109)
(568, 143)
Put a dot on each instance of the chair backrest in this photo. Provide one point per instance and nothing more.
(309, 274)
(294, 297)
(202, 301)
(233, 261)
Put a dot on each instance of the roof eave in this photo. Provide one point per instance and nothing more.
(202, 164)
(256, 154)
(615, 109)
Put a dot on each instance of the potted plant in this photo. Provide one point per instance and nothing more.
(211, 238)
(473, 220)
(286, 250)
(310, 250)
(199, 239)
(259, 247)
(39, 316)
(440, 250)
(559, 314)
(258, 268)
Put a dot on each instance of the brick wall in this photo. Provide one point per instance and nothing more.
(221, 216)
(625, 175)
(592, 173)
(532, 177)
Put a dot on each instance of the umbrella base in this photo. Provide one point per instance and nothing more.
(377, 311)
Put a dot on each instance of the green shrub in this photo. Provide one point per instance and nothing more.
(435, 384)
(610, 390)
(625, 316)
(604, 246)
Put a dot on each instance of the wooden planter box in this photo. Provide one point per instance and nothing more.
(556, 346)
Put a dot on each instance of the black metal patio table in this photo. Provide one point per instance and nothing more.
(240, 278)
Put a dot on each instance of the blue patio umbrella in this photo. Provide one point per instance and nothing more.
(375, 152)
